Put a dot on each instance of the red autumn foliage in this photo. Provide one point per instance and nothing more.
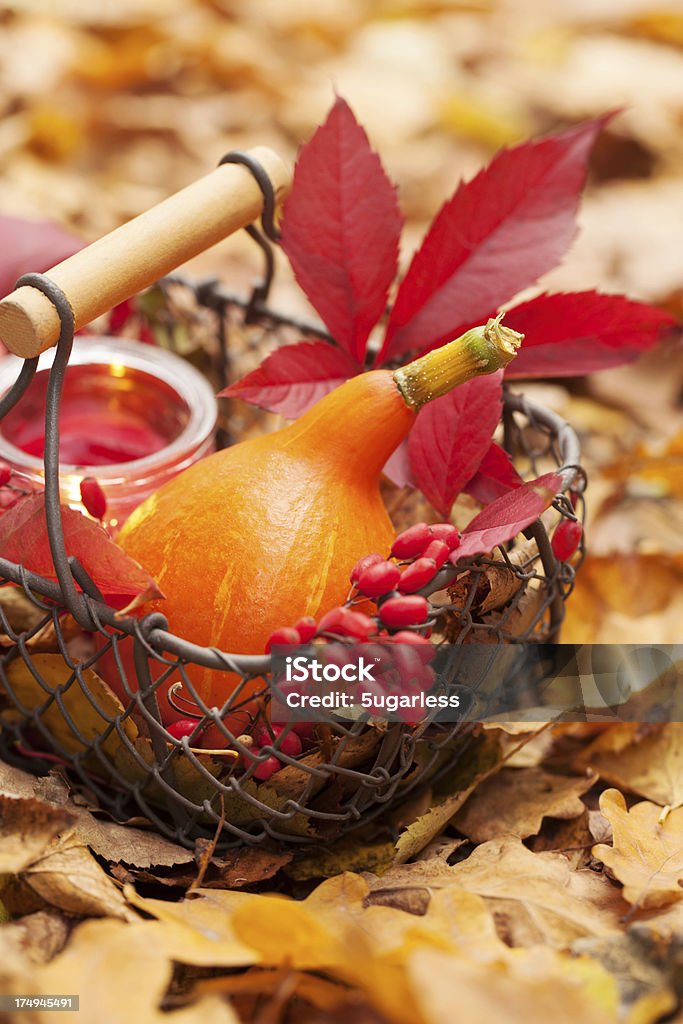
(24, 541)
(496, 235)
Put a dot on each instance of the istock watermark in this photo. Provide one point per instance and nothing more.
(420, 683)
(303, 669)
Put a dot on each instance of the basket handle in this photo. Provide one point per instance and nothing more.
(138, 253)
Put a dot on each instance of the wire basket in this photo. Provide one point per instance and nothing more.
(57, 709)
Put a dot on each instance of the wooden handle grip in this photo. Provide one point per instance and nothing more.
(136, 254)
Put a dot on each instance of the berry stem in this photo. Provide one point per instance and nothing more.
(479, 351)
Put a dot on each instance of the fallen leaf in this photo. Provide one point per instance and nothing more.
(27, 827)
(647, 851)
(38, 936)
(121, 971)
(24, 541)
(516, 800)
(521, 889)
(539, 986)
(75, 688)
(466, 776)
(68, 877)
(642, 759)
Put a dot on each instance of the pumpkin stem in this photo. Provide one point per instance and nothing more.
(481, 350)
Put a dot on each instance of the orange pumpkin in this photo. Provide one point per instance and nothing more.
(257, 535)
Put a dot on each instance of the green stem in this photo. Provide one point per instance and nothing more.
(481, 350)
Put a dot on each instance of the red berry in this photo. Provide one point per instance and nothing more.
(378, 579)
(406, 637)
(283, 636)
(291, 744)
(364, 563)
(447, 533)
(566, 539)
(412, 541)
(5, 472)
(93, 497)
(183, 727)
(306, 628)
(344, 622)
(404, 611)
(265, 769)
(417, 575)
(438, 550)
(306, 730)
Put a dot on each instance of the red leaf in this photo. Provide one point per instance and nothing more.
(495, 236)
(24, 540)
(30, 245)
(291, 379)
(341, 229)
(496, 476)
(451, 436)
(397, 467)
(504, 518)
(580, 332)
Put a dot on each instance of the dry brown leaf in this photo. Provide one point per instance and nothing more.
(108, 839)
(522, 890)
(38, 936)
(21, 613)
(515, 802)
(647, 851)
(643, 759)
(27, 827)
(199, 930)
(68, 877)
(479, 762)
(570, 837)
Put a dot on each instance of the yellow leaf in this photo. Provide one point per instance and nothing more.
(534, 988)
(521, 888)
(121, 975)
(70, 687)
(198, 931)
(647, 855)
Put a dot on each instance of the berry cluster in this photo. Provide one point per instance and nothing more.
(290, 743)
(416, 556)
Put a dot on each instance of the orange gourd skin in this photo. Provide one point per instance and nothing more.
(257, 535)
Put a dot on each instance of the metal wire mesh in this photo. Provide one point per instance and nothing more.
(60, 640)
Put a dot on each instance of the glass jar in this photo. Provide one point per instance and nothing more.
(132, 416)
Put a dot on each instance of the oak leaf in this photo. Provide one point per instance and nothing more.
(516, 800)
(647, 851)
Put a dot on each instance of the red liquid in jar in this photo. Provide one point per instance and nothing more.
(91, 435)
